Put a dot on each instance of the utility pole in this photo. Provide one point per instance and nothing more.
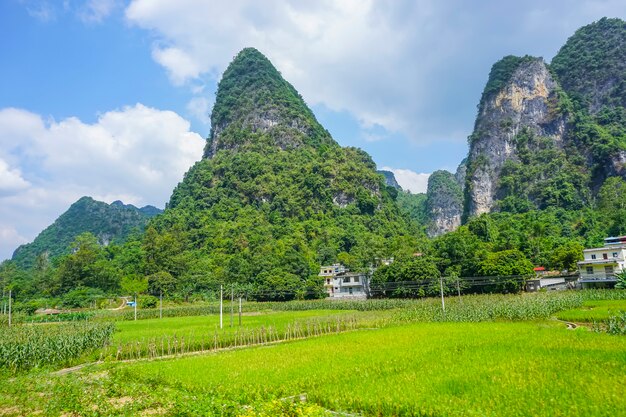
(9, 308)
(161, 304)
(135, 307)
(221, 305)
(232, 302)
(239, 310)
(458, 287)
(443, 303)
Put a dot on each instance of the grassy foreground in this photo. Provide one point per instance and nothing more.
(426, 369)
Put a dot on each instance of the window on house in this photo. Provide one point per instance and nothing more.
(615, 254)
(346, 279)
(356, 279)
(605, 256)
(593, 256)
(590, 270)
(328, 281)
(608, 269)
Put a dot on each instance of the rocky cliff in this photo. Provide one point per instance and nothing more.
(444, 203)
(390, 179)
(521, 95)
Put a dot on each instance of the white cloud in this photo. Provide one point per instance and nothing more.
(410, 180)
(180, 66)
(137, 154)
(95, 11)
(42, 10)
(10, 179)
(413, 67)
(200, 107)
(9, 239)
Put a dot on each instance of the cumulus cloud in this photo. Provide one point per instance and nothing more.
(410, 180)
(10, 179)
(136, 154)
(413, 67)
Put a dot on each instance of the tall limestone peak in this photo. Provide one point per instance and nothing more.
(255, 104)
(521, 96)
(276, 196)
(592, 64)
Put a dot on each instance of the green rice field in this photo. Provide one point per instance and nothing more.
(501, 355)
(593, 310)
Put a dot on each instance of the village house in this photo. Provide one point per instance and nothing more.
(339, 282)
(600, 265)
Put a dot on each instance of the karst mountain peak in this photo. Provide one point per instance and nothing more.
(254, 103)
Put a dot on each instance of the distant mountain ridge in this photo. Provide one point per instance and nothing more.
(108, 222)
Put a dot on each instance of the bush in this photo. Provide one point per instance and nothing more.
(148, 301)
(81, 297)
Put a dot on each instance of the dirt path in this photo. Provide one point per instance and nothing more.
(121, 306)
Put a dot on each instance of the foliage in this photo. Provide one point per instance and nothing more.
(413, 205)
(80, 297)
(591, 63)
(621, 280)
(27, 346)
(251, 87)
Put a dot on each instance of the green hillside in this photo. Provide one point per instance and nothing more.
(108, 222)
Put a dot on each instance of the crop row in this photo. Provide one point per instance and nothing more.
(213, 341)
(371, 305)
(28, 346)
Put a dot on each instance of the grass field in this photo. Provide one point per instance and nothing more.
(596, 310)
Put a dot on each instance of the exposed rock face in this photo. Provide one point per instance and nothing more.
(444, 203)
(390, 179)
(526, 100)
(461, 172)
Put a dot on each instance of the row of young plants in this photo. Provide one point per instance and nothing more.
(23, 347)
(539, 305)
(175, 344)
(254, 307)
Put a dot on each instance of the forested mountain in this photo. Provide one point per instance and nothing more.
(548, 135)
(275, 196)
(108, 222)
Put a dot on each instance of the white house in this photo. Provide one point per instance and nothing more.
(339, 282)
(601, 264)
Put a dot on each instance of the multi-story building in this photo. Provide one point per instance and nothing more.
(599, 266)
(339, 282)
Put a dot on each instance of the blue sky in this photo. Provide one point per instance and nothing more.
(110, 98)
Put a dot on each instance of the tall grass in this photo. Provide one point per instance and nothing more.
(28, 346)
